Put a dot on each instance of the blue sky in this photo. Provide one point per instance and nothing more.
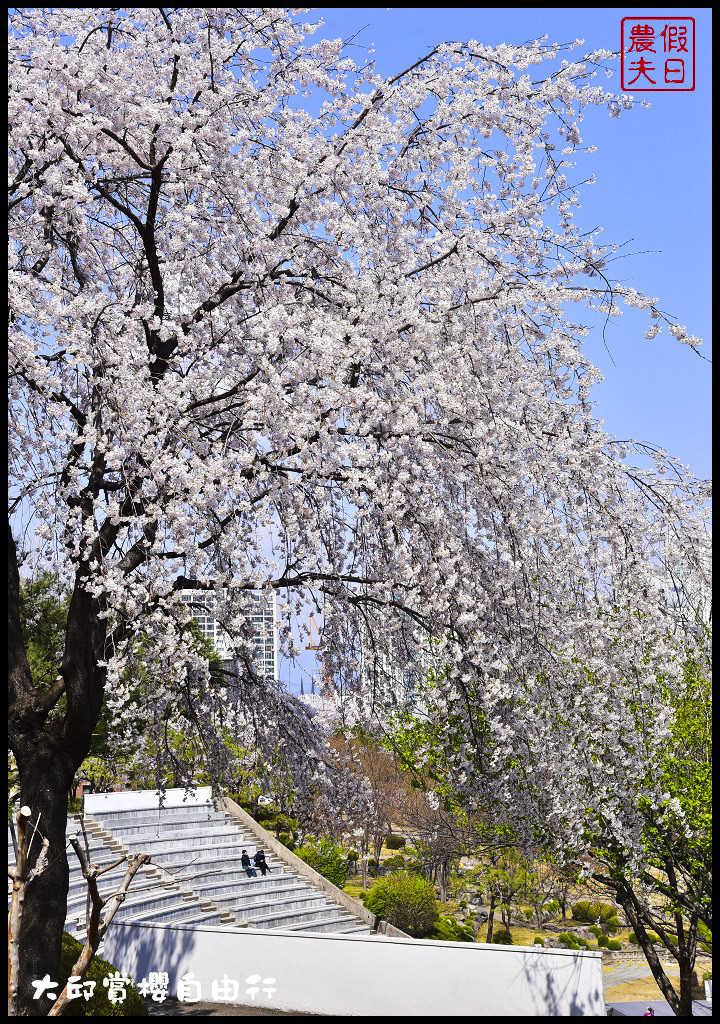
(653, 186)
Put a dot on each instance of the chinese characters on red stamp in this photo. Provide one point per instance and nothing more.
(657, 54)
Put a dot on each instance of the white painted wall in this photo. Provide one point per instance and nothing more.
(368, 975)
(129, 800)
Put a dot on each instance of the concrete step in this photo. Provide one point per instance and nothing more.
(209, 853)
(229, 893)
(298, 918)
(308, 903)
(327, 924)
(151, 818)
(154, 827)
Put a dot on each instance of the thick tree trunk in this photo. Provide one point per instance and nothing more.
(48, 756)
(44, 781)
(686, 990)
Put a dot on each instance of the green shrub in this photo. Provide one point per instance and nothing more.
(353, 856)
(583, 943)
(286, 839)
(502, 936)
(99, 1005)
(584, 910)
(581, 911)
(613, 925)
(372, 866)
(327, 859)
(596, 930)
(395, 842)
(614, 944)
(395, 863)
(537, 941)
(75, 805)
(568, 940)
(603, 940)
(632, 937)
(450, 930)
(407, 901)
(552, 907)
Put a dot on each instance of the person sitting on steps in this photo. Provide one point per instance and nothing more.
(260, 862)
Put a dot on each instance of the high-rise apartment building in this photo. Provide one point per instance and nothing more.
(261, 612)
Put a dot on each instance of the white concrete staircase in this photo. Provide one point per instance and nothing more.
(198, 848)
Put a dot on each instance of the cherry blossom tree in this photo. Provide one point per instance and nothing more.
(278, 323)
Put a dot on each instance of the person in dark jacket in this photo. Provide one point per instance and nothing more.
(245, 861)
(261, 863)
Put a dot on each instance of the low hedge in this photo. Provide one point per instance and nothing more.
(450, 930)
(394, 842)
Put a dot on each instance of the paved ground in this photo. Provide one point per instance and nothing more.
(173, 1008)
(616, 975)
(661, 1008)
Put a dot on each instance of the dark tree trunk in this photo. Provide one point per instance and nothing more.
(491, 917)
(44, 787)
(48, 754)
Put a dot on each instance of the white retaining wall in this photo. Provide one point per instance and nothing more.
(340, 975)
(131, 800)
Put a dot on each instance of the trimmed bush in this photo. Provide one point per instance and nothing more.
(99, 1005)
(568, 940)
(328, 860)
(581, 910)
(596, 930)
(613, 925)
(537, 941)
(603, 941)
(396, 863)
(614, 944)
(503, 937)
(450, 930)
(394, 842)
(407, 901)
(584, 910)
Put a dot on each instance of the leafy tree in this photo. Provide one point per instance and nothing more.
(668, 897)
